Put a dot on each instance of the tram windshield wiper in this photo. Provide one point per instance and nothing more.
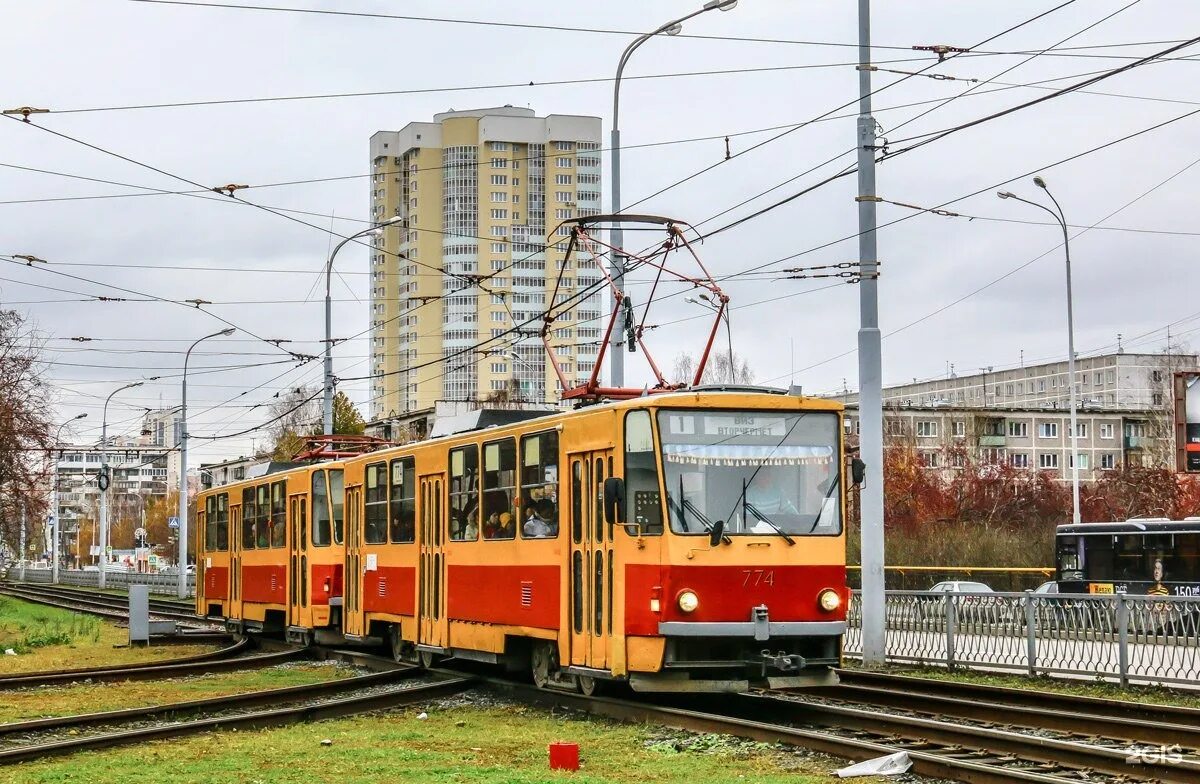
(684, 506)
(828, 493)
(749, 507)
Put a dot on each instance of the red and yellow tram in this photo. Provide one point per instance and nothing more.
(691, 540)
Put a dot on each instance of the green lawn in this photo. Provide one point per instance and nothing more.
(459, 743)
(25, 704)
(49, 638)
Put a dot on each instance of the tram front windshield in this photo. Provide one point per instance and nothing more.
(761, 473)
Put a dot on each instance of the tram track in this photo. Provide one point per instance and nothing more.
(40, 738)
(102, 605)
(234, 657)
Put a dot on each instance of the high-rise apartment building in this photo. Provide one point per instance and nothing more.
(469, 262)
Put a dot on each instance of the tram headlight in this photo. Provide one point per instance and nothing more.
(688, 601)
(829, 600)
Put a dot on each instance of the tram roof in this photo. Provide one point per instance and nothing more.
(1133, 526)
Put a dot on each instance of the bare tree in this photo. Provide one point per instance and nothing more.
(719, 369)
(294, 416)
(25, 429)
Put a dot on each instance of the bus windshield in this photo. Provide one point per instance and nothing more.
(761, 472)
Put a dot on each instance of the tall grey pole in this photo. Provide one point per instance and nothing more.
(1062, 222)
(54, 509)
(107, 481)
(181, 585)
(327, 402)
(870, 364)
(21, 546)
(616, 261)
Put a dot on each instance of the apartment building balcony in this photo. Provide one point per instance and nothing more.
(1135, 442)
(992, 440)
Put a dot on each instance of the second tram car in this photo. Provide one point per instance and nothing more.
(683, 541)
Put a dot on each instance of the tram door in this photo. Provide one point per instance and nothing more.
(591, 560)
(352, 616)
(235, 558)
(431, 572)
(297, 559)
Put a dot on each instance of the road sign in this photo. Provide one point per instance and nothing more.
(172, 522)
(94, 550)
(139, 533)
(108, 550)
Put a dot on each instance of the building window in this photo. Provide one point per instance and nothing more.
(1048, 430)
(1108, 461)
(1019, 460)
(564, 163)
(499, 247)
(499, 163)
(499, 214)
(1106, 430)
(1083, 461)
(1042, 385)
(960, 429)
(1135, 430)
(1156, 399)
(1048, 460)
(929, 459)
(1097, 379)
(1018, 429)
(926, 429)
(499, 146)
(499, 196)
(499, 179)
(562, 179)
(1081, 430)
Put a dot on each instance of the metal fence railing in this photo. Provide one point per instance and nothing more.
(1122, 638)
(159, 583)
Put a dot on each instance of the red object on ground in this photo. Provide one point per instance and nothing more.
(564, 756)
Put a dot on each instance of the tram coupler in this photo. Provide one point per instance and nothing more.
(782, 662)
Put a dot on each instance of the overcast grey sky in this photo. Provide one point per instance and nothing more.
(262, 271)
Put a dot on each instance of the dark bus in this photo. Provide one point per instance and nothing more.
(1152, 556)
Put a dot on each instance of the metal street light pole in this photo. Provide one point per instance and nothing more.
(183, 468)
(105, 481)
(327, 409)
(870, 364)
(616, 235)
(54, 502)
(1057, 214)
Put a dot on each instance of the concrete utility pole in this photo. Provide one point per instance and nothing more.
(870, 364)
(183, 484)
(21, 545)
(616, 236)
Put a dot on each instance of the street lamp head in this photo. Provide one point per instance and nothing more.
(674, 29)
(391, 220)
(228, 332)
(1006, 195)
(1038, 181)
(724, 5)
(81, 416)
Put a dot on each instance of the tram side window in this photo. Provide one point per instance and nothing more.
(499, 489)
(337, 494)
(223, 522)
(375, 504)
(320, 510)
(1182, 562)
(210, 523)
(539, 486)
(263, 507)
(1098, 558)
(464, 497)
(643, 504)
(402, 501)
(279, 514)
(249, 518)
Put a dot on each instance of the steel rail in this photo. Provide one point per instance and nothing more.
(240, 646)
(151, 671)
(1088, 717)
(91, 606)
(275, 717)
(161, 600)
(955, 764)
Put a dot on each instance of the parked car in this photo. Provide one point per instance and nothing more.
(969, 607)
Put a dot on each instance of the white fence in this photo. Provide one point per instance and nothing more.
(1145, 639)
(159, 583)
